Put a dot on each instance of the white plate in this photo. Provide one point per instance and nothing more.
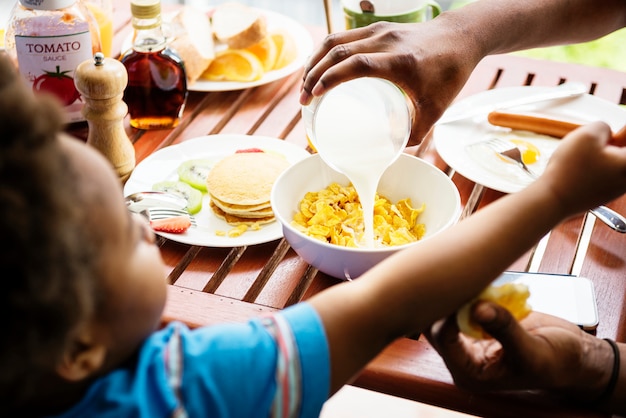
(482, 166)
(162, 165)
(301, 37)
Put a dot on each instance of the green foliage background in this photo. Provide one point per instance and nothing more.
(609, 51)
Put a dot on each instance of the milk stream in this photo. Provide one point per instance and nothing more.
(359, 144)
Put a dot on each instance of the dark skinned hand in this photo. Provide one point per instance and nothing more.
(432, 77)
(540, 352)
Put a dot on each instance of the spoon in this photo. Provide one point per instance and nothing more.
(136, 202)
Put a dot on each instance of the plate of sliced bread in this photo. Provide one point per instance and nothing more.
(233, 46)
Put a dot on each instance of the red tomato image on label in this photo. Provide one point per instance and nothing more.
(59, 84)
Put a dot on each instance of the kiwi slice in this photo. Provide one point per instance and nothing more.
(195, 172)
(179, 188)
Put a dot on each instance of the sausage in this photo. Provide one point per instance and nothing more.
(532, 122)
(540, 124)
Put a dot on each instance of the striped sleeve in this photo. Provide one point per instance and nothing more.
(173, 357)
(288, 372)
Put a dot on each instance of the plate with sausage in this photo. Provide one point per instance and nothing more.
(535, 129)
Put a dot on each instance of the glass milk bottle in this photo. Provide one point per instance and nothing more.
(360, 128)
(157, 82)
(48, 39)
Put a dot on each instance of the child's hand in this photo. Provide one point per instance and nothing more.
(584, 171)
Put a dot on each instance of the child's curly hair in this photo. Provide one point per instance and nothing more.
(49, 263)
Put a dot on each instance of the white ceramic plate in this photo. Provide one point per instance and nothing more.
(453, 140)
(162, 165)
(304, 46)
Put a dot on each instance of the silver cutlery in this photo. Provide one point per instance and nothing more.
(154, 213)
(512, 153)
(562, 91)
(158, 205)
(154, 198)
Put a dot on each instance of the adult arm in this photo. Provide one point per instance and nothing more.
(432, 61)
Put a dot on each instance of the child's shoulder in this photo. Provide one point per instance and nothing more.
(208, 368)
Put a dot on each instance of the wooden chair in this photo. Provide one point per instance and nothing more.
(328, 12)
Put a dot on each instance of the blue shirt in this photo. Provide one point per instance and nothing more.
(277, 365)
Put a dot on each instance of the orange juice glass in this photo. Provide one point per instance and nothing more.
(103, 13)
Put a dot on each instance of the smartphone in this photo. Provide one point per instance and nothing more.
(569, 297)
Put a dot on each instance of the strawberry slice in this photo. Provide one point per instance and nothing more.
(173, 225)
(249, 150)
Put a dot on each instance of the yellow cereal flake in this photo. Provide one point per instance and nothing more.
(237, 231)
(334, 215)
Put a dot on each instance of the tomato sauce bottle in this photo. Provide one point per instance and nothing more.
(157, 83)
(47, 39)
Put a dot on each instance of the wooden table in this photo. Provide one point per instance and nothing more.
(212, 285)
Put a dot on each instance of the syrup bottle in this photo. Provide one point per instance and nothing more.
(47, 39)
(157, 82)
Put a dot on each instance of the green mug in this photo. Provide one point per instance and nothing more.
(362, 13)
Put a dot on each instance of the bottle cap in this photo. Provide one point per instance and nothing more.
(145, 9)
(47, 4)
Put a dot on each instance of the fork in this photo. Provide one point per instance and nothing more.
(512, 153)
(156, 212)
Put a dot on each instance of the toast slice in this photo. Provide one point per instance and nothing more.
(193, 41)
(238, 25)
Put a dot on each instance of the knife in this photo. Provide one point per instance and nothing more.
(562, 91)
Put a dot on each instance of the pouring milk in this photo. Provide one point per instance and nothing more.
(359, 128)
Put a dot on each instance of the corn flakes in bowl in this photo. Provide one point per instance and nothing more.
(319, 212)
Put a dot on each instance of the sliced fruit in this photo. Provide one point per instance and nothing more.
(249, 150)
(234, 65)
(266, 52)
(180, 188)
(512, 296)
(173, 225)
(286, 48)
(195, 172)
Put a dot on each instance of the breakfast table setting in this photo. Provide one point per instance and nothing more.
(216, 274)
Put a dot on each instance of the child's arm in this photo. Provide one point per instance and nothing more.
(412, 289)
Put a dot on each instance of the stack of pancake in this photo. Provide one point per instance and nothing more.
(240, 185)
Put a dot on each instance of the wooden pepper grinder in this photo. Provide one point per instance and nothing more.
(101, 82)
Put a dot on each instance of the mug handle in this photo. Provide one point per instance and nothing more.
(435, 8)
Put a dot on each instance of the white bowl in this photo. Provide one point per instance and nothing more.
(407, 177)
